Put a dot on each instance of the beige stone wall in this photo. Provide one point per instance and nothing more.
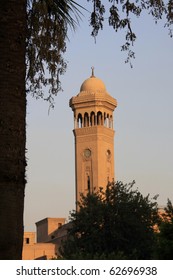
(42, 230)
(48, 249)
(46, 228)
(39, 251)
(29, 238)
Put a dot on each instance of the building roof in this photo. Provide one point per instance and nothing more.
(93, 93)
(93, 84)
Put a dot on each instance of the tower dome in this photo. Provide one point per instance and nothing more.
(93, 84)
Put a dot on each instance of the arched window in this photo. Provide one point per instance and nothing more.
(111, 122)
(99, 118)
(92, 119)
(86, 120)
(79, 121)
(105, 119)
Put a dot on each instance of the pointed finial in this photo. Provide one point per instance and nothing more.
(92, 74)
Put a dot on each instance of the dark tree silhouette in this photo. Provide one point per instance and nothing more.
(117, 223)
(28, 35)
(164, 247)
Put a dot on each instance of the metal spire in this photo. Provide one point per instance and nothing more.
(92, 74)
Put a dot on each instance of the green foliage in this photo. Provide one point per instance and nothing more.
(48, 22)
(47, 26)
(164, 248)
(122, 13)
(121, 218)
(115, 224)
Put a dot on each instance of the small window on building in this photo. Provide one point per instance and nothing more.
(27, 240)
(88, 183)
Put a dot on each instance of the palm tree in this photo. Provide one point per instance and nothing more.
(48, 22)
(23, 50)
(12, 126)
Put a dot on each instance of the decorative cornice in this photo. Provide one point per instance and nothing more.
(98, 129)
(85, 99)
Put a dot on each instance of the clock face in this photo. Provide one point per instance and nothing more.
(87, 153)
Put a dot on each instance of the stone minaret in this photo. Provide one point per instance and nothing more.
(94, 136)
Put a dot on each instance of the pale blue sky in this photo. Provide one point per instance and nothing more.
(143, 120)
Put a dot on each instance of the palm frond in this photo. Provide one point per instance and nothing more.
(68, 10)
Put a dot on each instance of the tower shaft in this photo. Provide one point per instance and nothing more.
(94, 136)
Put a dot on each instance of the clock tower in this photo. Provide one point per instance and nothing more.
(93, 130)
